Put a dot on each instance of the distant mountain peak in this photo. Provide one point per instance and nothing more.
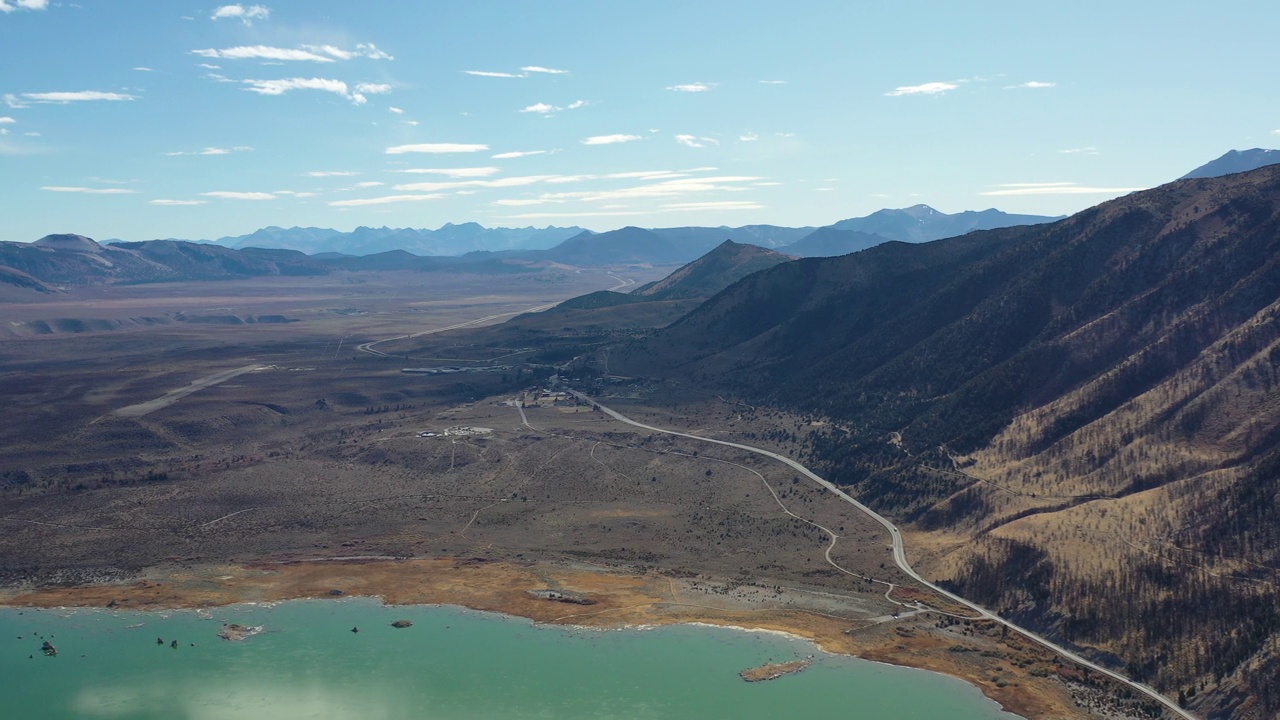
(70, 242)
(1235, 161)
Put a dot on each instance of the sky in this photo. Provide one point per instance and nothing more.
(138, 120)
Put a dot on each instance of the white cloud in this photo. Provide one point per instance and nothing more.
(7, 120)
(518, 154)
(179, 202)
(227, 195)
(338, 87)
(540, 108)
(691, 87)
(469, 172)
(8, 6)
(144, 69)
(207, 66)
(294, 193)
(748, 137)
(395, 110)
(14, 102)
(373, 88)
(1032, 85)
(210, 151)
(31, 134)
(486, 73)
(931, 88)
(518, 202)
(538, 69)
(245, 14)
(1080, 151)
(369, 184)
(609, 139)
(364, 50)
(413, 123)
(89, 191)
(694, 141)
(436, 148)
(70, 97)
(1275, 132)
(719, 205)
(263, 52)
(360, 202)
(773, 82)
(1055, 188)
(517, 181)
(578, 104)
(332, 173)
(669, 188)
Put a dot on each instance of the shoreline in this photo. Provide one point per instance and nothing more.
(623, 602)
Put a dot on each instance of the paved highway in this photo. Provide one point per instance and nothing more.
(900, 557)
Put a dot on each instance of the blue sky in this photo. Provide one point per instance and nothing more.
(138, 120)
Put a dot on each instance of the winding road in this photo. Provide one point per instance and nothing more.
(900, 556)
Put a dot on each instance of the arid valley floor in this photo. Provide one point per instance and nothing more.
(305, 460)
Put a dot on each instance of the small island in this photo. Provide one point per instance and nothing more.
(773, 671)
(237, 633)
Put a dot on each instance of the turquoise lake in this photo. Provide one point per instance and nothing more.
(452, 664)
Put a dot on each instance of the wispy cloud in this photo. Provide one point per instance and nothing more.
(1030, 85)
(930, 88)
(176, 203)
(228, 195)
(70, 97)
(332, 173)
(360, 202)
(748, 137)
(436, 148)
(208, 66)
(717, 205)
(304, 53)
(369, 184)
(144, 69)
(395, 110)
(676, 188)
(539, 69)
(338, 87)
(211, 151)
(240, 12)
(691, 87)
(610, 139)
(1080, 151)
(364, 50)
(518, 154)
(7, 120)
(1055, 188)
(263, 52)
(516, 181)
(547, 109)
(773, 82)
(694, 141)
(487, 73)
(467, 172)
(8, 6)
(89, 191)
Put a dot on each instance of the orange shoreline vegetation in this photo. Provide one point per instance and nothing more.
(619, 600)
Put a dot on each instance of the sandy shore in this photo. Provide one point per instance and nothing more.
(1001, 668)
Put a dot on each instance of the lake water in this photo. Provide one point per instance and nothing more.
(453, 664)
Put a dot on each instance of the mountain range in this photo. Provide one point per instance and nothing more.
(1235, 161)
(1078, 420)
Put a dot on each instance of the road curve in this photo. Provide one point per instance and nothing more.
(900, 556)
